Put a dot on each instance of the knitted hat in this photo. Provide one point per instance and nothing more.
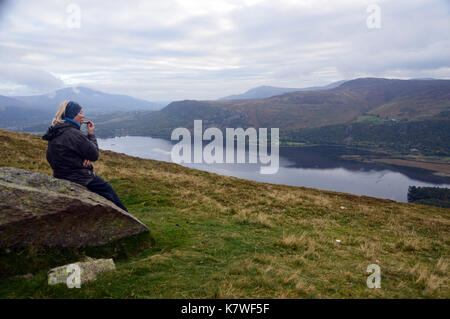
(72, 110)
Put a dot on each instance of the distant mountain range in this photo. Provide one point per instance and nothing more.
(381, 113)
(384, 98)
(95, 101)
(15, 114)
(19, 111)
(377, 113)
(265, 91)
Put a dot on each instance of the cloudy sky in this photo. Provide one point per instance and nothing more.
(206, 49)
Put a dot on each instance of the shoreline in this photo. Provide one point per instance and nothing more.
(437, 166)
(440, 168)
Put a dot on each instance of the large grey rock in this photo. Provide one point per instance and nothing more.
(41, 211)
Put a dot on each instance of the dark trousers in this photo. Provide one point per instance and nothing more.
(100, 186)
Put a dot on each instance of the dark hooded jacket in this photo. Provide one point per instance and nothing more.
(67, 149)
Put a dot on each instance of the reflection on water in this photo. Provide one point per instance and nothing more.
(317, 167)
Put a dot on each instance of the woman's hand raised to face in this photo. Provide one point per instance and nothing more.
(91, 127)
(87, 163)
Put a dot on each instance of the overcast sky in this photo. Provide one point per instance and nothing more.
(165, 50)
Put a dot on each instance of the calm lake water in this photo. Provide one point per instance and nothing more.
(317, 167)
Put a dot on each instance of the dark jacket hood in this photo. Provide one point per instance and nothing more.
(56, 130)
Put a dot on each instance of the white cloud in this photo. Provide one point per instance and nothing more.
(203, 49)
(17, 78)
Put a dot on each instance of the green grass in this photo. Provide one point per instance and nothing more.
(223, 237)
(369, 118)
(292, 144)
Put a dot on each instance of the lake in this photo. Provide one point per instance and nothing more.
(317, 167)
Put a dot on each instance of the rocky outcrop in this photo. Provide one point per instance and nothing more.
(41, 211)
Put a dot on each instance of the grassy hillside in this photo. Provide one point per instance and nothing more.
(223, 237)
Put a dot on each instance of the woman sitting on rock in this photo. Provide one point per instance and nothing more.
(70, 152)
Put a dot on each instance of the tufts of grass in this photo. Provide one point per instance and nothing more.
(222, 237)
